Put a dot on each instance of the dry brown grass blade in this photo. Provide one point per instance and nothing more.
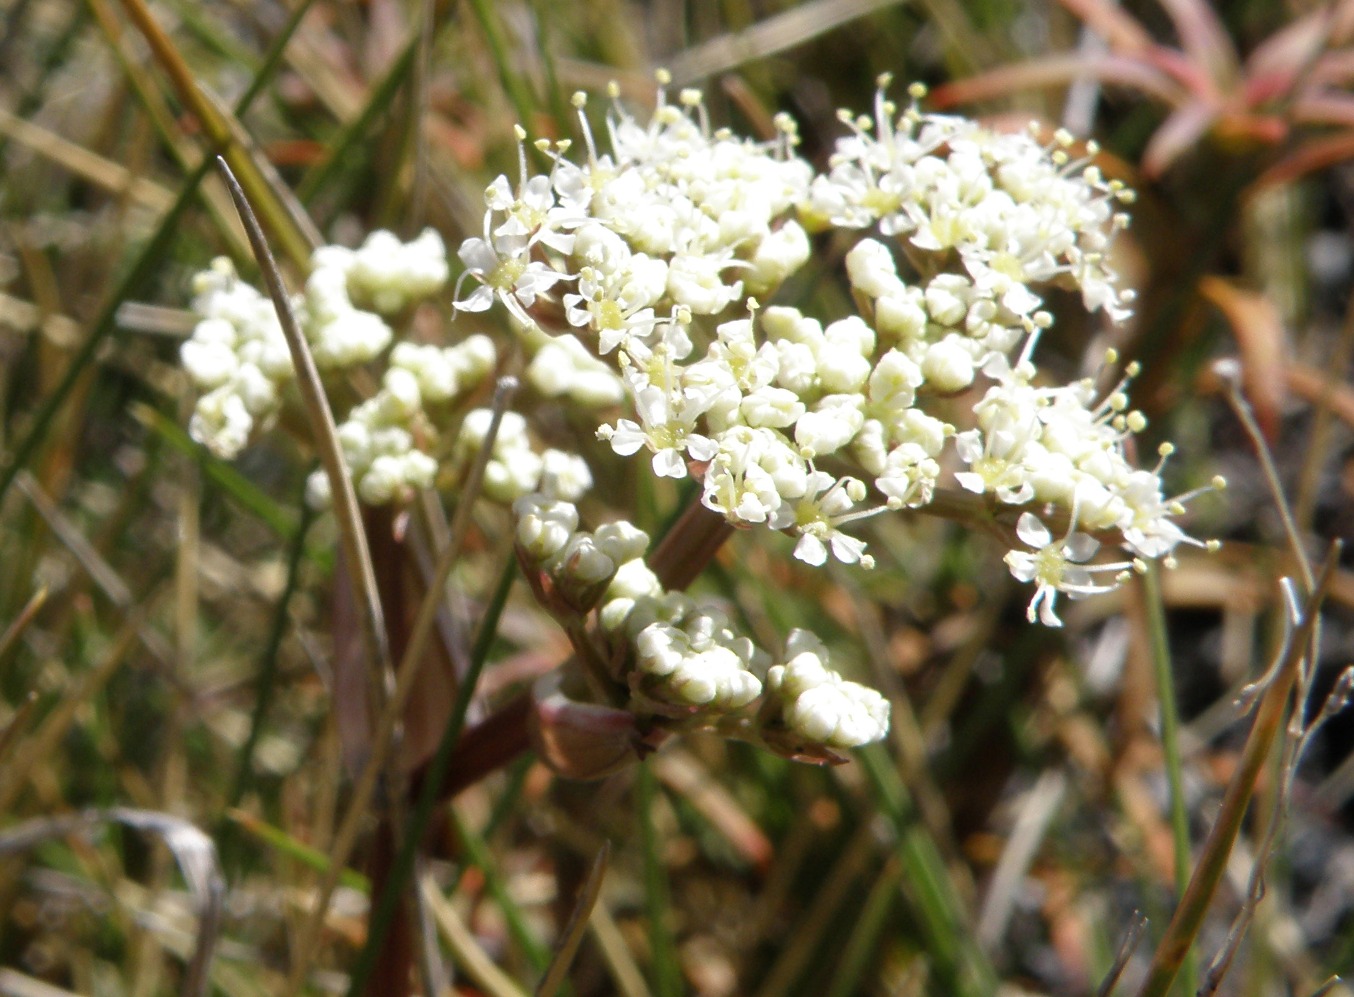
(1267, 722)
(104, 576)
(221, 131)
(156, 107)
(792, 27)
(469, 954)
(20, 623)
(693, 782)
(625, 972)
(16, 984)
(572, 935)
(1036, 813)
(361, 576)
(111, 176)
(1132, 936)
(352, 536)
(26, 317)
(421, 633)
(802, 944)
(193, 851)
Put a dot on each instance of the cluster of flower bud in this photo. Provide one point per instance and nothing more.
(681, 660)
(632, 275)
(387, 440)
(515, 467)
(238, 357)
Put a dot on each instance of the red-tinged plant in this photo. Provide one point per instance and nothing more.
(1293, 82)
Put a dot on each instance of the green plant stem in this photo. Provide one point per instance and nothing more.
(509, 76)
(1155, 612)
(477, 852)
(864, 939)
(267, 672)
(336, 152)
(667, 974)
(1269, 719)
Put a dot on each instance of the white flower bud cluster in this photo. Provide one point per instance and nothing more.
(388, 440)
(684, 660)
(237, 356)
(817, 704)
(563, 368)
(349, 290)
(656, 247)
(696, 660)
(387, 275)
(577, 564)
(515, 468)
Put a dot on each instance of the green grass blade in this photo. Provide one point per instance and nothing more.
(247, 495)
(1170, 743)
(865, 934)
(477, 852)
(667, 973)
(284, 844)
(523, 102)
(267, 670)
(338, 154)
(962, 967)
(138, 275)
(142, 269)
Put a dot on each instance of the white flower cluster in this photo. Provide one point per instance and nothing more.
(515, 468)
(388, 439)
(684, 660)
(239, 358)
(1018, 214)
(654, 250)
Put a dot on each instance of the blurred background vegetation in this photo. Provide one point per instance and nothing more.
(166, 618)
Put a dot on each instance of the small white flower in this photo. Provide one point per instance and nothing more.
(667, 429)
(829, 503)
(502, 265)
(1056, 566)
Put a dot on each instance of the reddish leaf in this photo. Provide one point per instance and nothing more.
(1205, 40)
(1180, 131)
(1317, 154)
(1061, 70)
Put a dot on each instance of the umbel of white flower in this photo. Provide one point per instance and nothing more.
(631, 272)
